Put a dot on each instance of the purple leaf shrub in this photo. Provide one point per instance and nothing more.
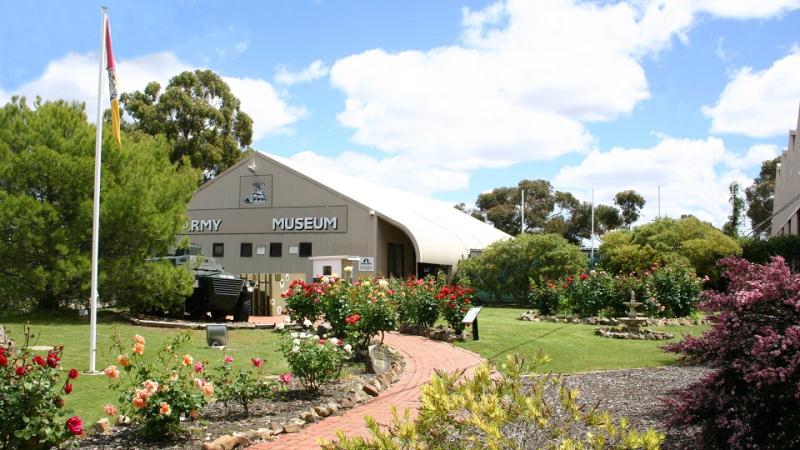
(752, 399)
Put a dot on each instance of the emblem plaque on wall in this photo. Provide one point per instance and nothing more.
(255, 191)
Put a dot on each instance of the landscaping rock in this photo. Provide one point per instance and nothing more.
(378, 360)
(334, 407)
(226, 442)
(371, 390)
(386, 380)
(323, 411)
(308, 416)
(123, 420)
(276, 427)
(348, 403)
(102, 425)
(291, 428)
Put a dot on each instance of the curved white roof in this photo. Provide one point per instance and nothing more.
(440, 233)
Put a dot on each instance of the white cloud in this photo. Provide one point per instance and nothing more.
(399, 172)
(74, 77)
(693, 174)
(759, 103)
(312, 72)
(522, 82)
(240, 47)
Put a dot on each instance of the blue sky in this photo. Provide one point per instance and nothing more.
(452, 98)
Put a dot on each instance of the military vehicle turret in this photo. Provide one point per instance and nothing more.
(216, 291)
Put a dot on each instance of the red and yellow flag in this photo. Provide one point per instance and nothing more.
(112, 84)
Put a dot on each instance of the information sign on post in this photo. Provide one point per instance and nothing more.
(472, 318)
(366, 264)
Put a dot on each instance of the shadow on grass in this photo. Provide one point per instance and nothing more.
(514, 347)
(59, 317)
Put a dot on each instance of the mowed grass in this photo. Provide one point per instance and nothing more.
(91, 393)
(571, 347)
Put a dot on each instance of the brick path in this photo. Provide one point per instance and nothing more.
(421, 355)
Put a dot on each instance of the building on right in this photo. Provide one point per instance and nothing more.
(786, 205)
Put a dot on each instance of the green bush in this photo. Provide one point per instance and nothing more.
(667, 242)
(505, 412)
(242, 386)
(545, 297)
(162, 288)
(589, 294)
(314, 360)
(675, 292)
(761, 251)
(508, 267)
(372, 301)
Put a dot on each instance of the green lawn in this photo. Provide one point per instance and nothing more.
(571, 348)
(91, 393)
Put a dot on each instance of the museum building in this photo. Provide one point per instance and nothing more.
(269, 214)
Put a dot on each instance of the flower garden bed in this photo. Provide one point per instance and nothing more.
(286, 413)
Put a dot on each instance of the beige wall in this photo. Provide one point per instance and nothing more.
(390, 234)
(787, 187)
(289, 195)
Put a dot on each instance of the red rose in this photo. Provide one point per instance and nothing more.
(73, 373)
(257, 362)
(564, 286)
(21, 371)
(322, 341)
(3, 360)
(2, 350)
(68, 388)
(59, 402)
(466, 300)
(52, 362)
(75, 425)
(39, 360)
(584, 276)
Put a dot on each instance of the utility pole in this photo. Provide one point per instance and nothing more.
(659, 201)
(522, 213)
(591, 258)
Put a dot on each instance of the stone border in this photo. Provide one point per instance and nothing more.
(183, 325)
(367, 391)
(533, 316)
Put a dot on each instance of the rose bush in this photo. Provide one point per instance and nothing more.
(303, 300)
(372, 310)
(454, 302)
(158, 392)
(416, 301)
(242, 386)
(314, 360)
(32, 396)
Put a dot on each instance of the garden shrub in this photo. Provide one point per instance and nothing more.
(32, 399)
(546, 297)
(454, 302)
(675, 291)
(507, 267)
(303, 300)
(416, 301)
(587, 294)
(760, 251)
(335, 304)
(751, 398)
(505, 412)
(242, 386)
(372, 311)
(314, 360)
(158, 392)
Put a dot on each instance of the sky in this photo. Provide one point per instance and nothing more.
(453, 98)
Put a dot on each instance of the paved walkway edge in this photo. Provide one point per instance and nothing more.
(422, 357)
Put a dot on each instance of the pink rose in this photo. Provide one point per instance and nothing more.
(285, 378)
(257, 362)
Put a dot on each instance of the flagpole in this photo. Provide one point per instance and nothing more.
(98, 158)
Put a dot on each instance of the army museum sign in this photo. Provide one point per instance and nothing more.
(329, 219)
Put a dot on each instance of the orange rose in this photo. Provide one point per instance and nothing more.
(111, 410)
(164, 409)
(124, 361)
(138, 348)
(138, 339)
(208, 389)
(111, 372)
(139, 402)
(187, 360)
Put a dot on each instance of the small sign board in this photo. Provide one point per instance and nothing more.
(472, 314)
(472, 318)
(366, 264)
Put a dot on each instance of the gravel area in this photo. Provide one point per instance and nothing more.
(636, 394)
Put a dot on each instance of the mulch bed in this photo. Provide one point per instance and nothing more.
(636, 394)
(219, 421)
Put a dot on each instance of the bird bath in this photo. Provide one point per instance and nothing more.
(632, 325)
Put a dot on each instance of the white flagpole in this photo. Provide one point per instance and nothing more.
(98, 158)
(592, 235)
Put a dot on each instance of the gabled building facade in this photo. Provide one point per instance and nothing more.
(268, 214)
(786, 205)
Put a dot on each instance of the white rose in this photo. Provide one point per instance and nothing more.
(334, 341)
(325, 279)
(307, 323)
(383, 283)
(296, 341)
(280, 326)
(294, 334)
(295, 349)
(348, 269)
(348, 348)
(303, 335)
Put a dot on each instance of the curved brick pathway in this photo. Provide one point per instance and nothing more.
(422, 357)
